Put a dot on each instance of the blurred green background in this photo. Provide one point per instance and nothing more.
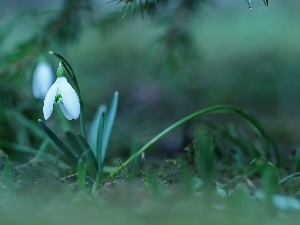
(166, 65)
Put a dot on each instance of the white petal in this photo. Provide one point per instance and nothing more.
(69, 97)
(49, 101)
(65, 111)
(43, 78)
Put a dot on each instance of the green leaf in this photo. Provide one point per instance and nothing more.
(241, 140)
(93, 135)
(7, 173)
(100, 137)
(89, 155)
(267, 141)
(72, 158)
(205, 156)
(109, 121)
(81, 174)
(42, 148)
(101, 129)
(289, 177)
(23, 148)
(74, 143)
(270, 178)
(97, 181)
(25, 122)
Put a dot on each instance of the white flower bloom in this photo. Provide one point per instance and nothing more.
(61, 92)
(43, 78)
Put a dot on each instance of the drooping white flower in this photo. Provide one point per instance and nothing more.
(43, 78)
(62, 93)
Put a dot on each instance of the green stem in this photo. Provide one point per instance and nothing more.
(209, 110)
(82, 123)
(97, 181)
(293, 175)
(7, 173)
(42, 148)
(65, 123)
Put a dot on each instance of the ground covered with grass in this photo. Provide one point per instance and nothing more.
(170, 209)
(170, 192)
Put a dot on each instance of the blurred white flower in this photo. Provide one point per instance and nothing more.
(280, 201)
(61, 92)
(43, 78)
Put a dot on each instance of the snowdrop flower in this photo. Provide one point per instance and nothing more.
(62, 93)
(43, 78)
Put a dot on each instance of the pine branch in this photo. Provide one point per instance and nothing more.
(62, 29)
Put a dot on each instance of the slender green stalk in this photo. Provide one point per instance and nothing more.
(97, 181)
(209, 110)
(81, 175)
(65, 123)
(42, 148)
(291, 176)
(21, 119)
(108, 119)
(59, 143)
(99, 149)
(91, 160)
(7, 173)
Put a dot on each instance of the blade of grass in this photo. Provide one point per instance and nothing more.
(97, 182)
(72, 158)
(62, 119)
(74, 143)
(42, 148)
(91, 159)
(7, 174)
(100, 136)
(109, 121)
(205, 157)
(231, 134)
(207, 111)
(22, 148)
(93, 135)
(81, 174)
(25, 122)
